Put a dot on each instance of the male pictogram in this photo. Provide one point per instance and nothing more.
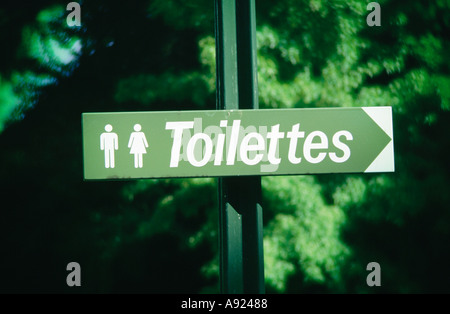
(137, 145)
(109, 143)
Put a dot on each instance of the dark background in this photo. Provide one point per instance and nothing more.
(160, 236)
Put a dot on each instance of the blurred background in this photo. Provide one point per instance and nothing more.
(160, 236)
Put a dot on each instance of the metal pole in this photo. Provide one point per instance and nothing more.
(240, 212)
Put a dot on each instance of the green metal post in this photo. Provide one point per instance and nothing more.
(240, 212)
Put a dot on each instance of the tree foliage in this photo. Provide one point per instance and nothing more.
(320, 232)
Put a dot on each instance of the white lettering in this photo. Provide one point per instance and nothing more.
(274, 135)
(219, 144)
(191, 146)
(251, 145)
(246, 147)
(294, 135)
(309, 145)
(178, 128)
(233, 142)
(341, 146)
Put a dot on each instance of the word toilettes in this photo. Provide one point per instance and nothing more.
(224, 144)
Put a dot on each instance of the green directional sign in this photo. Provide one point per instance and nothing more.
(126, 145)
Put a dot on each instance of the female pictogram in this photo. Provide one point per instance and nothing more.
(137, 145)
